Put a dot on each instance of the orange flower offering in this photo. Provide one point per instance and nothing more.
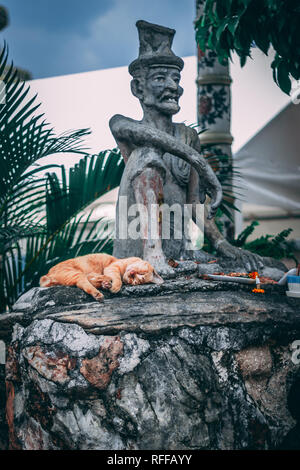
(258, 291)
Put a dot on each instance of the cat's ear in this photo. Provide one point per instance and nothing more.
(156, 278)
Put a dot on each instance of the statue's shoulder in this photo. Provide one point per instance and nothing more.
(120, 126)
(119, 119)
(186, 133)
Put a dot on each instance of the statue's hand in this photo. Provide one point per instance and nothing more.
(211, 186)
(250, 261)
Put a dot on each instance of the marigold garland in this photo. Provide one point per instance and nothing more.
(258, 291)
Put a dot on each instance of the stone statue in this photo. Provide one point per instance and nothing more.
(163, 161)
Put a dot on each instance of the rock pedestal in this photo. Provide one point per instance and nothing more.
(200, 365)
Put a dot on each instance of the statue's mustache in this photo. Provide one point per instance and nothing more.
(169, 95)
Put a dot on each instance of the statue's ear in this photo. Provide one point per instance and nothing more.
(156, 278)
(136, 88)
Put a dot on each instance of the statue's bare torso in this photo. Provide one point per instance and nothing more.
(176, 175)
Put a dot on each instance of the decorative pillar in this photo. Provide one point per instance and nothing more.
(214, 114)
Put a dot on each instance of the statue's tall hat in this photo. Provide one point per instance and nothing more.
(155, 47)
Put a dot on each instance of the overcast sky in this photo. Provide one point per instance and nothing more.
(58, 37)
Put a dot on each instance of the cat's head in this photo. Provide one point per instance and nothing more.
(141, 272)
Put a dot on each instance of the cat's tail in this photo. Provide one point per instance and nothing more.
(46, 281)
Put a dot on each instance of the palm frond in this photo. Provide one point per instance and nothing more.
(24, 138)
(88, 180)
(67, 232)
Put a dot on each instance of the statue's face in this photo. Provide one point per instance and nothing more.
(162, 90)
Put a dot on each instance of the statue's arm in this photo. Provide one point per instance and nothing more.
(126, 129)
(245, 258)
(196, 195)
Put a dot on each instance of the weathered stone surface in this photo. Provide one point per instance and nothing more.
(206, 268)
(206, 369)
(12, 371)
(99, 369)
(255, 362)
(52, 366)
(152, 307)
(274, 273)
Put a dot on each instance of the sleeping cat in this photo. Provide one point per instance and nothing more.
(94, 271)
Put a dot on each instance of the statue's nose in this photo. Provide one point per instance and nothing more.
(170, 83)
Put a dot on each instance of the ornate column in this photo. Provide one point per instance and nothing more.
(214, 114)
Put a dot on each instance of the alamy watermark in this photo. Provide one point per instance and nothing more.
(296, 354)
(295, 92)
(159, 221)
(2, 92)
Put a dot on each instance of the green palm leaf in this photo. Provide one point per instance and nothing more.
(66, 233)
(24, 138)
(88, 180)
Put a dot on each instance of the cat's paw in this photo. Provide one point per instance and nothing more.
(116, 287)
(98, 296)
(100, 281)
(107, 284)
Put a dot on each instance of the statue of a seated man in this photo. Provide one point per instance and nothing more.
(163, 159)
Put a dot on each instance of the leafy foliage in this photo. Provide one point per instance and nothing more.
(66, 232)
(274, 246)
(40, 220)
(245, 234)
(88, 180)
(236, 25)
(24, 138)
(224, 168)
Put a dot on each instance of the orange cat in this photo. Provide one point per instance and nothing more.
(94, 271)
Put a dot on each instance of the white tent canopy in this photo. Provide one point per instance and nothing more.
(270, 162)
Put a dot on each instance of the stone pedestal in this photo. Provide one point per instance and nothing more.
(200, 365)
